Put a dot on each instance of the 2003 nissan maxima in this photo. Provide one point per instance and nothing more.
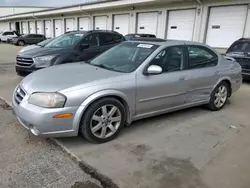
(131, 81)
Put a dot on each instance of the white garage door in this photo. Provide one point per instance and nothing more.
(12, 26)
(121, 23)
(100, 22)
(39, 27)
(181, 24)
(147, 23)
(57, 27)
(69, 24)
(32, 28)
(84, 24)
(24, 28)
(226, 24)
(47, 24)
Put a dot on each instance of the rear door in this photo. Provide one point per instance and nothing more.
(29, 39)
(203, 73)
(108, 40)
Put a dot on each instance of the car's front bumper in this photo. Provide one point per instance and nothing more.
(40, 120)
(25, 70)
(246, 74)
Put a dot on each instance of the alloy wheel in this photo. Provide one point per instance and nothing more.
(106, 121)
(220, 96)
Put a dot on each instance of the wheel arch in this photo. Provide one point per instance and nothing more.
(228, 81)
(100, 95)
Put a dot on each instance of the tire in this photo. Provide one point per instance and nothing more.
(21, 43)
(219, 97)
(99, 125)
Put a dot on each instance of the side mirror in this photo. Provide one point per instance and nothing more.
(83, 46)
(154, 69)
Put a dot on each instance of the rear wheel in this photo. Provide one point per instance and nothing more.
(21, 43)
(103, 120)
(219, 97)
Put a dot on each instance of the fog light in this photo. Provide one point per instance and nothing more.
(62, 116)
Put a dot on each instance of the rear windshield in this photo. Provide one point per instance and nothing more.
(240, 46)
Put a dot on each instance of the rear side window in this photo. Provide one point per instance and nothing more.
(106, 38)
(8, 33)
(117, 38)
(201, 57)
(240, 46)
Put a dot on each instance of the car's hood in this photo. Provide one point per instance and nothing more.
(61, 77)
(42, 52)
(29, 48)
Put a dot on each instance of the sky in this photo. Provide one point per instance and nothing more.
(49, 3)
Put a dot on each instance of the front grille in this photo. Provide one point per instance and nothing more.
(244, 62)
(19, 95)
(23, 61)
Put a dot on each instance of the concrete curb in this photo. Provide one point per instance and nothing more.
(104, 180)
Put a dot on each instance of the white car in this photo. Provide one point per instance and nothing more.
(4, 36)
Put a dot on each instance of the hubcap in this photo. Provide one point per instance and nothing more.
(220, 96)
(106, 121)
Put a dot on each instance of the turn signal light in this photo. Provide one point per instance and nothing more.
(63, 116)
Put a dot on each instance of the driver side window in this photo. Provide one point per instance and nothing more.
(92, 40)
(170, 59)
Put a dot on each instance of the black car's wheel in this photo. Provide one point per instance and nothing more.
(103, 120)
(219, 96)
(21, 43)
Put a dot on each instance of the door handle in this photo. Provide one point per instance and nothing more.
(183, 78)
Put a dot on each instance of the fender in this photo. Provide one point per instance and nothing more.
(100, 94)
(221, 79)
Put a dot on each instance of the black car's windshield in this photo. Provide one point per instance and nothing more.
(66, 40)
(240, 46)
(43, 43)
(125, 57)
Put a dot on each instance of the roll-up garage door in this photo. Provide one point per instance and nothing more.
(32, 28)
(47, 29)
(24, 28)
(100, 22)
(69, 24)
(39, 27)
(121, 23)
(226, 24)
(181, 24)
(57, 27)
(84, 24)
(147, 23)
(12, 26)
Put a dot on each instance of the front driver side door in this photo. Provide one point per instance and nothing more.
(86, 54)
(168, 89)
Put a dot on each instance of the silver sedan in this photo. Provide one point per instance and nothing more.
(131, 81)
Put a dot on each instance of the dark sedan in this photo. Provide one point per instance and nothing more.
(28, 39)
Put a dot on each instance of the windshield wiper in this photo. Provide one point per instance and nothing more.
(103, 66)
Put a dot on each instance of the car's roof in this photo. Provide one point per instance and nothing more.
(140, 34)
(92, 31)
(168, 42)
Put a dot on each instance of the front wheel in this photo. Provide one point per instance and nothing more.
(21, 43)
(103, 120)
(219, 97)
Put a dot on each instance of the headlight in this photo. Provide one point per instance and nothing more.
(44, 61)
(48, 100)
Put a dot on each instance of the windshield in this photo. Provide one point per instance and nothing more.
(44, 42)
(240, 46)
(66, 40)
(125, 57)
